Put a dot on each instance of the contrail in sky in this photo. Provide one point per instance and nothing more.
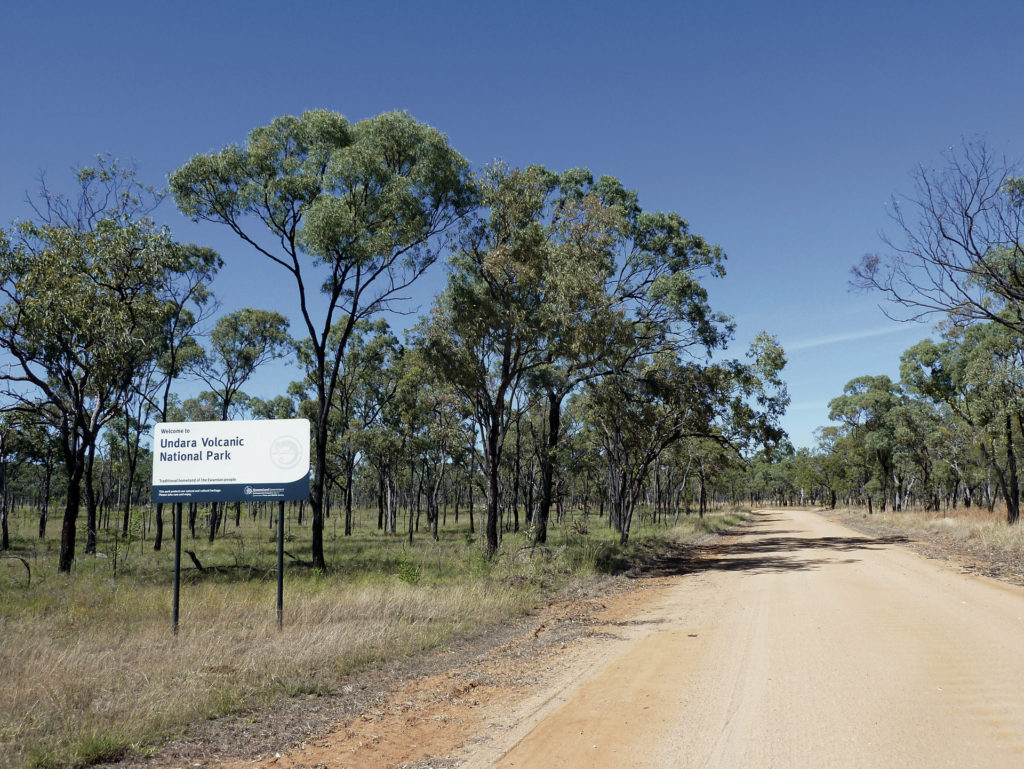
(851, 336)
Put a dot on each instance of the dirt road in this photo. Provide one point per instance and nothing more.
(804, 645)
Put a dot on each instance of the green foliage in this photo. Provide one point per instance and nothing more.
(90, 289)
(240, 342)
(408, 571)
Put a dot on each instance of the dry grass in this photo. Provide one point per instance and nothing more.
(974, 538)
(104, 673)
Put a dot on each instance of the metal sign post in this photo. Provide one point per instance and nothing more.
(280, 563)
(177, 563)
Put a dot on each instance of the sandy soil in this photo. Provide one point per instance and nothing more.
(799, 644)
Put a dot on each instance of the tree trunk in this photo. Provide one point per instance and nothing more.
(434, 514)
(493, 469)
(316, 491)
(44, 509)
(412, 507)
(472, 470)
(214, 519)
(75, 463)
(547, 468)
(350, 463)
(90, 501)
(380, 500)
(5, 534)
(132, 449)
(703, 494)
(1013, 490)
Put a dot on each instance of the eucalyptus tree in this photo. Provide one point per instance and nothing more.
(38, 448)
(486, 331)
(10, 432)
(439, 421)
(366, 381)
(994, 375)
(917, 436)
(562, 280)
(583, 225)
(130, 425)
(383, 444)
(354, 210)
(207, 406)
(278, 407)
(634, 280)
(865, 409)
(641, 412)
(830, 462)
(85, 287)
(708, 459)
(935, 372)
(978, 372)
(240, 342)
(188, 304)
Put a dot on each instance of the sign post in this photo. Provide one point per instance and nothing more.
(242, 461)
(177, 563)
(280, 563)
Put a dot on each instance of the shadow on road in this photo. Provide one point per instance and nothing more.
(771, 552)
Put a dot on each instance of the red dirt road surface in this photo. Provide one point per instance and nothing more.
(803, 645)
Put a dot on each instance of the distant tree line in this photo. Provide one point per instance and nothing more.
(950, 432)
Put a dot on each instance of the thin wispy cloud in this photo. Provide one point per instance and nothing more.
(807, 406)
(850, 336)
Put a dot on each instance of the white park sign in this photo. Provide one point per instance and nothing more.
(231, 461)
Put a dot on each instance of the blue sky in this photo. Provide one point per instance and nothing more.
(778, 129)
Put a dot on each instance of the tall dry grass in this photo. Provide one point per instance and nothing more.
(973, 531)
(104, 673)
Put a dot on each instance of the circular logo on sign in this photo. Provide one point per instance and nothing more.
(285, 452)
(247, 489)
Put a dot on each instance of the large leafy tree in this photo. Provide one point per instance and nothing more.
(188, 304)
(351, 210)
(642, 411)
(85, 286)
(866, 408)
(563, 279)
(626, 285)
(366, 382)
(487, 331)
(240, 343)
(977, 374)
